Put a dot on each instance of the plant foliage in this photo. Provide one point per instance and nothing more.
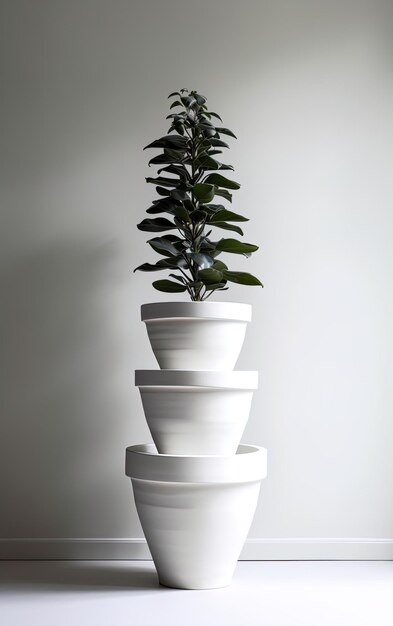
(188, 180)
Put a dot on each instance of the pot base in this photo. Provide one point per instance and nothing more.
(195, 587)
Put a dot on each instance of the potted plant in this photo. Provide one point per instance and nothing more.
(196, 490)
(187, 335)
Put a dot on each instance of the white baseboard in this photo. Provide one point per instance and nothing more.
(276, 549)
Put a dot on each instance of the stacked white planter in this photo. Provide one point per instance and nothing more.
(196, 489)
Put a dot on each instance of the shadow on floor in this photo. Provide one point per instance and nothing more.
(67, 576)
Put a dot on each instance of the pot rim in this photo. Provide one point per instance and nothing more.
(232, 379)
(235, 311)
(248, 464)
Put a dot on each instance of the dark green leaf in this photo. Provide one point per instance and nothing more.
(158, 224)
(198, 216)
(235, 247)
(210, 276)
(162, 191)
(181, 212)
(178, 170)
(218, 143)
(227, 216)
(225, 131)
(162, 159)
(224, 194)
(174, 93)
(181, 279)
(199, 98)
(225, 226)
(175, 104)
(204, 192)
(172, 262)
(215, 286)
(188, 101)
(149, 267)
(221, 181)
(179, 194)
(164, 205)
(219, 265)
(206, 162)
(169, 286)
(242, 278)
(169, 141)
(163, 246)
(163, 182)
(215, 115)
(202, 260)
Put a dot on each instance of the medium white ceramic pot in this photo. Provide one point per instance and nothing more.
(196, 335)
(195, 511)
(196, 412)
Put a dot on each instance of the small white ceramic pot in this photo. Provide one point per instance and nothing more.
(195, 511)
(196, 412)
(196, 335)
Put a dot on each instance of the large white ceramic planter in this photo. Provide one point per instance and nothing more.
(196, 412)
(196, 335)
(195, 511)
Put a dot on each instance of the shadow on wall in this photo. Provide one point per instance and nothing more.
(64, 353)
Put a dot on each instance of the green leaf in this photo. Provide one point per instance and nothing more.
(181, 279)
(206, 162)
(158, 224)
(210, 276)
(164, 205)
(198, 216)
(175, 104)
(225, 131)
(204, 192)
(235, 247)
(218, 143)
(215, 286)
(149, 267)
(224, 194)
(199, 98)
(174, 93)
(221, 181)
(227, 216)
(215, 115)
(242, 278)
(172, 262)
(169, 286)
(219, 265)
(203, 261)
(163, 246)
(225, 226)
(178, 170)
(181, 212)
(162, 191)
(163, 182)
(179, 194)
(169, 141)
(162, 159)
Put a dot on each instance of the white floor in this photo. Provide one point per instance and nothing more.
(263, 593)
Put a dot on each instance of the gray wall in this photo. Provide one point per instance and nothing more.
(308, 88)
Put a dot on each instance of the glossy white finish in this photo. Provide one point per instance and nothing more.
(196, 412)
(195, 511)
(196, 335)
(248, 463)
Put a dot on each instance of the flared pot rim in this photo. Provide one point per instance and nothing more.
(145, 463)
(235, 311)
